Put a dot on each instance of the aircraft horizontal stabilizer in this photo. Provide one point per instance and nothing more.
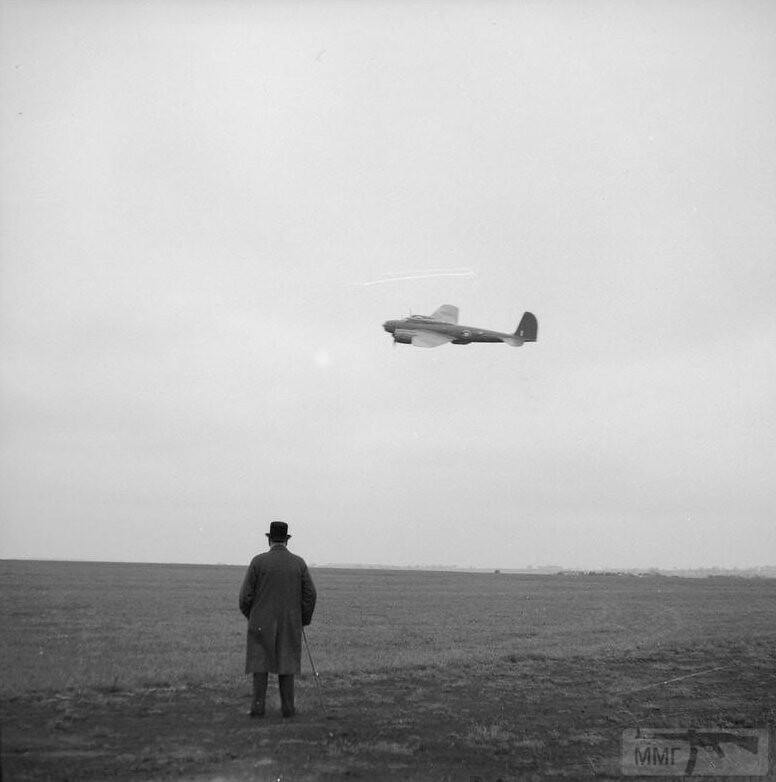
(526, 331)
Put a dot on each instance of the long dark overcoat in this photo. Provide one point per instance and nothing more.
(278, 598)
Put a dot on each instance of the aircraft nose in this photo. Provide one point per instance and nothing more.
(388, 326)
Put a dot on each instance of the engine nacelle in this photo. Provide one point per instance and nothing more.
(405, 337)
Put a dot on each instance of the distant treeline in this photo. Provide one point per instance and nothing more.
(766, 571)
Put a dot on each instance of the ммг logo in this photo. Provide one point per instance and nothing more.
(695, 752)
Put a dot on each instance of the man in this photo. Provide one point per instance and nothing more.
(277, 598)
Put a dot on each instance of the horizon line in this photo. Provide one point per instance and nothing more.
(550, 569)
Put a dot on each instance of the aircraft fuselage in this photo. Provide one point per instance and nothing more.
(458, 334)
(430, 331)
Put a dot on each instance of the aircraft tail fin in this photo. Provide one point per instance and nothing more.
(527, 330)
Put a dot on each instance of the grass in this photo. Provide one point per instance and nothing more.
(137, 670)
(126, 625)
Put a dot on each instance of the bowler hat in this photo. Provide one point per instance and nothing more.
(278, 531)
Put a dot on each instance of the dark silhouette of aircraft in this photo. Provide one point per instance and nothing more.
(429, 331)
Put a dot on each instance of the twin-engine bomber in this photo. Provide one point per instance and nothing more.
(430, 331)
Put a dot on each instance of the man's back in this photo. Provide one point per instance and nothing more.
(276, 588)
(278, 598)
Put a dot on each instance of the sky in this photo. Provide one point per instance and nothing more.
(208, 209)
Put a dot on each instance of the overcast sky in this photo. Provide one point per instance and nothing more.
(206, 208)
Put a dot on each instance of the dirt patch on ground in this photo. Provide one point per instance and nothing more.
(516, 717)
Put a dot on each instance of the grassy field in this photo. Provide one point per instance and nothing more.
(135, 671)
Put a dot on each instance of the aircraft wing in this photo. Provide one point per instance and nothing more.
(429, 339)
(447, 313)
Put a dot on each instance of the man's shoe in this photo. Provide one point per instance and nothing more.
(289, 712)
(256, 711)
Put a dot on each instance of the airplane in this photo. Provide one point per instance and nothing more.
(429, 331)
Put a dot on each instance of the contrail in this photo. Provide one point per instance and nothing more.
(423, 274)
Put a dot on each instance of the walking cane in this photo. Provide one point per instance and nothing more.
(315, 672)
